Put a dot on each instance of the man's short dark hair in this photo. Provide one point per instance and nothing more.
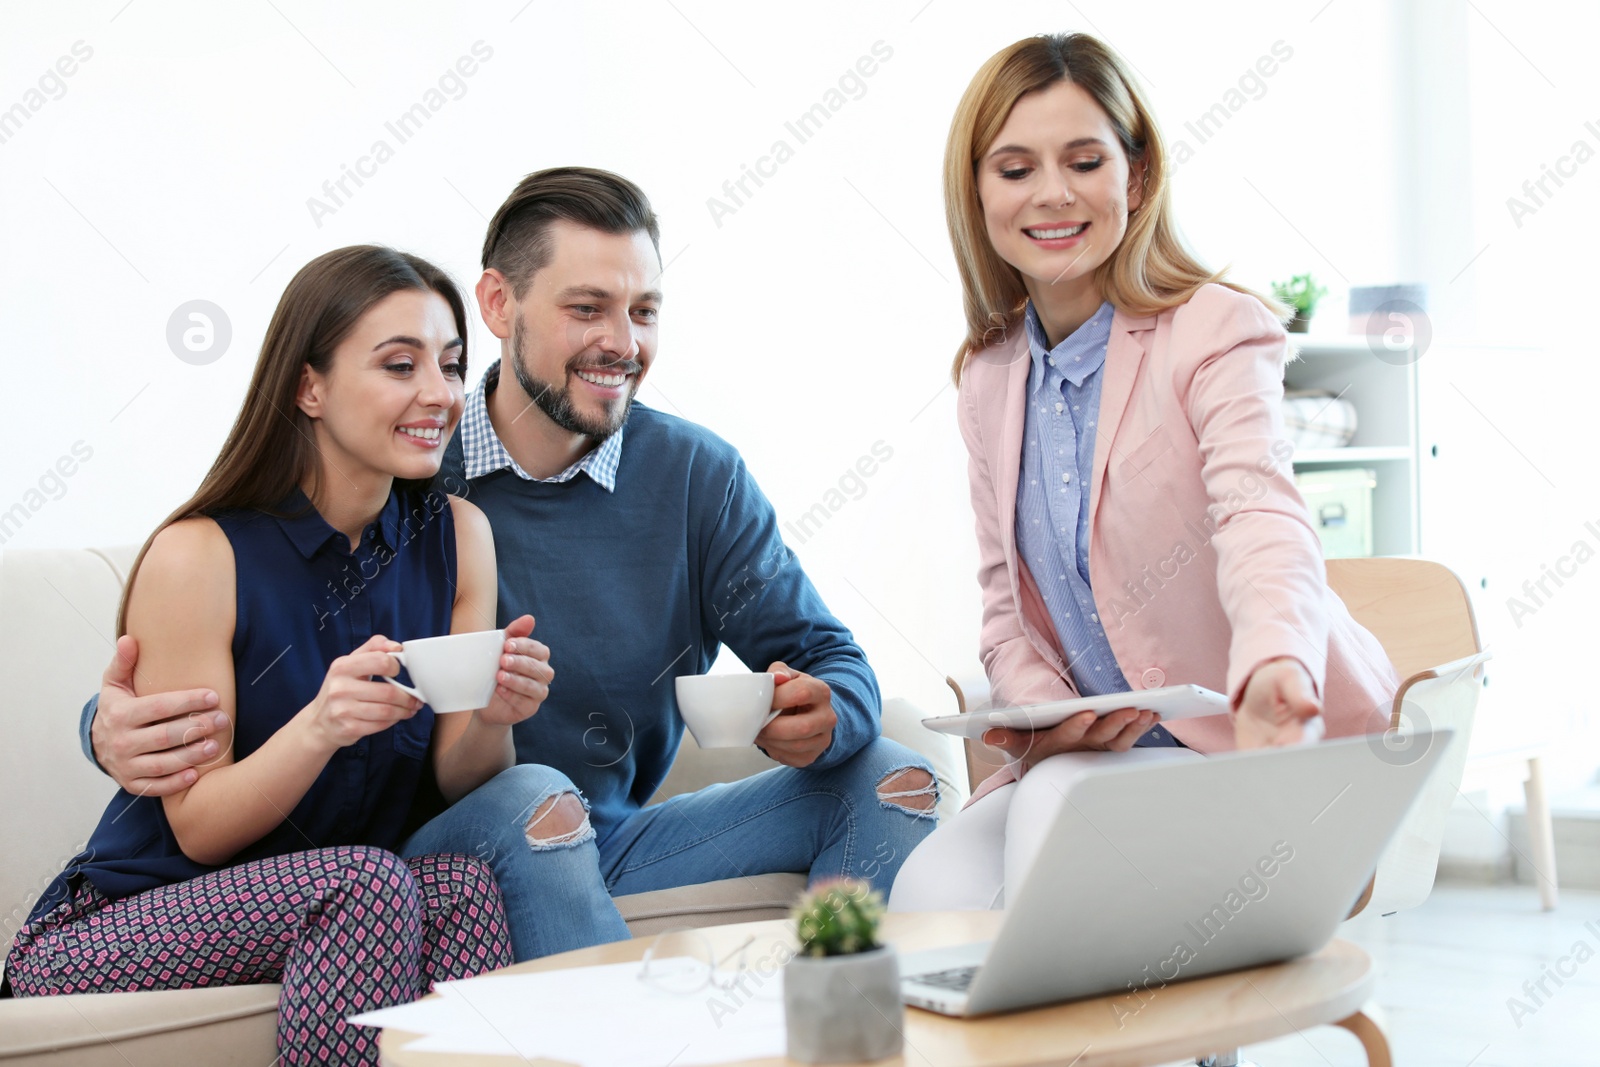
(519, 243)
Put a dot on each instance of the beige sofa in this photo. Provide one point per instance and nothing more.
(57, 613)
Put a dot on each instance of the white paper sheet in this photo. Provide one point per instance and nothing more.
(599, 1017)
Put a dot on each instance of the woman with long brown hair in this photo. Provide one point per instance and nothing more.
(1138, 524)
(314, 535)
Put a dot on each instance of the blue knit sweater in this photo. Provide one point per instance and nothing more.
(634, 587)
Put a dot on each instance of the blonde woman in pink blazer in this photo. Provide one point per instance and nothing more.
(1138, 524)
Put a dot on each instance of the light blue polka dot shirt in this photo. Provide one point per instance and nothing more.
(1053, 491)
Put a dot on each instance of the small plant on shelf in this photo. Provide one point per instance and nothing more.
(1301, 293)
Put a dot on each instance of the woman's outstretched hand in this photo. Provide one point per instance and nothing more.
(1084, 732)
(1279, 700)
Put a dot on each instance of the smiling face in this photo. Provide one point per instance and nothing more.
(392, 394)
(583, 335)
(1055, 188)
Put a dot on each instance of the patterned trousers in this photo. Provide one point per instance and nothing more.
(345, 929)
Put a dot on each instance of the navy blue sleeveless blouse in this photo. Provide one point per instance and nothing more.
(304, 598)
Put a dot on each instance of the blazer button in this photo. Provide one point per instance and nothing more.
(1153, 678)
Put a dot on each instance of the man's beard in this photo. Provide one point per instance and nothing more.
(556, 401)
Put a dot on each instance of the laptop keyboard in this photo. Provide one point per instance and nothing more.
(956, 979)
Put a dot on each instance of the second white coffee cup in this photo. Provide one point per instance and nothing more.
(452, 673)
(725, 710)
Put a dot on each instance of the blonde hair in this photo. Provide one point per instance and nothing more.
(1148, 272)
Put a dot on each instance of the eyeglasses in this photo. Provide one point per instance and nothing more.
(681, 960)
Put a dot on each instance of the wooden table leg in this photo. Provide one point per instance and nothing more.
(1541, 841)
(1371, 1038)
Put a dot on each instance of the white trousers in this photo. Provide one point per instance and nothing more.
(967, 863)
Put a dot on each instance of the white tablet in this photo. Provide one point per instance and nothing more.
(1171, 702)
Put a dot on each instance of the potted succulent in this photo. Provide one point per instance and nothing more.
(841, 991)
(1300, 292)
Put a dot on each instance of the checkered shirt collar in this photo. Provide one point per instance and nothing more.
(484, 454)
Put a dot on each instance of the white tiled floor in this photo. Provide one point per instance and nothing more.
(1446, 971)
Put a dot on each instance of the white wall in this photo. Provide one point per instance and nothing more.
(1534, 109)
(815, 320)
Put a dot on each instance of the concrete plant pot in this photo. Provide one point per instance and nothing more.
(843, 1009)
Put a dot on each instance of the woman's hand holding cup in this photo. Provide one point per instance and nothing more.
(523, 680)
(351, 705)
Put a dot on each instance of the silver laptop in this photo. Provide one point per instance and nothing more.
(1161, 872)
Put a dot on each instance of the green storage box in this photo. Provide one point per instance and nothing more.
(1340, 502)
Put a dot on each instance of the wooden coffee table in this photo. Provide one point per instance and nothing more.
(1168, 1025)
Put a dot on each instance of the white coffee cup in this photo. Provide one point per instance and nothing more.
(456, 672)
(725, 710)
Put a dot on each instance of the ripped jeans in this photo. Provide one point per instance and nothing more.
(557, 876)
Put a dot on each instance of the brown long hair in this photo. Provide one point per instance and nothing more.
(1149, 272)
(271, 449)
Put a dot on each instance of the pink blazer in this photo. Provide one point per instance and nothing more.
(1202, 556)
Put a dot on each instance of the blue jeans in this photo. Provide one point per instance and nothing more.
(826, 823)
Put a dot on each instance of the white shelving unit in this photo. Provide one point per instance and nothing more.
(1351, 454)
(1384, 392)
(1461, 480)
